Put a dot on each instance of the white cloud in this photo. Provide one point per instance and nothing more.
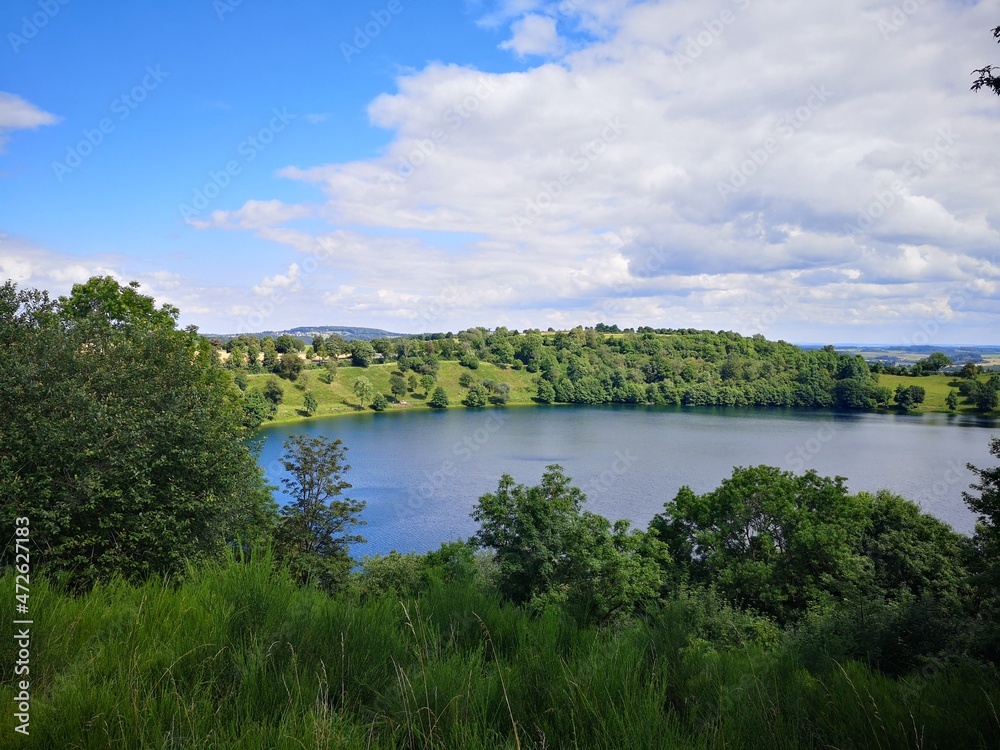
(289, 281)
(534, 35)
(740, 165)
(18, 114)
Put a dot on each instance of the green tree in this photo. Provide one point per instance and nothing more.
(313, 534)
(380, 402)
(364, 390)
(427, 382)
(397, 385)
(411, 382)
(290, 366)
(309, 403)
(288, 344)
(969, 371)
(123, 438)
(908, 397)
(548, 550)
(546, 393)
(470, 360)
(466, 379)
(319, 345)
(269, 360)
(273, 391)
(951, 401)
(440, 398)
(362, 354)
(257, 408)
(253, 354)
(769, 540)
(934, 362)
(476, 397)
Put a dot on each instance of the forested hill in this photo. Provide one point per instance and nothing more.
(602, 365)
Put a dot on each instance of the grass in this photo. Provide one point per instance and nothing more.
(937, 387)
(236, 656)
(337, 397)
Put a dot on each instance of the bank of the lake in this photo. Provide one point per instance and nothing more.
(420, 471)
(335, 396)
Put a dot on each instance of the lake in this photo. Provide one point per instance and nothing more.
(421, 471)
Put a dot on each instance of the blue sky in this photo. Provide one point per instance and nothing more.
(809, 173)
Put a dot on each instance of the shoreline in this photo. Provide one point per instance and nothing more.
(990, 419)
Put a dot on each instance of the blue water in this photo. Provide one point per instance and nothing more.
(421, 471)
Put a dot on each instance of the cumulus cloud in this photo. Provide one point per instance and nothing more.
(18, 114)
(534, 35)
(767, 167)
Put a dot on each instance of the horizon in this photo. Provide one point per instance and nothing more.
(534, 163)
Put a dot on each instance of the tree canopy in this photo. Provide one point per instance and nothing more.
(123, 439)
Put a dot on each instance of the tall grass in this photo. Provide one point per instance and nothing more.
(236, 656)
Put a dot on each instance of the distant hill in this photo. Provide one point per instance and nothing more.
(907, 355)
(349, 333)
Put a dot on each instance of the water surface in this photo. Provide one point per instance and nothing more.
(421, 471)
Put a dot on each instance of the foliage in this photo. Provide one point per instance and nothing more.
(986, 78)
(309, 403)
(273, 391)
(908, 397)
(951, 400)
(397, 384)
(986, 562)
(477, 396)
(312, 537)
(362, 354)
(256, 409)
(547, 550)
(380, 402)
(768, 540)
(289, 366)
(123, 439)
(363, 389)
(439, 400)
(237, 656)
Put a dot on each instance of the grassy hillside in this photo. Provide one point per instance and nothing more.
(937, 387)
(236, 656)
(337, 397)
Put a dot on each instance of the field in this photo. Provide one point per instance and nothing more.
(337, 397)
(937, 387)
